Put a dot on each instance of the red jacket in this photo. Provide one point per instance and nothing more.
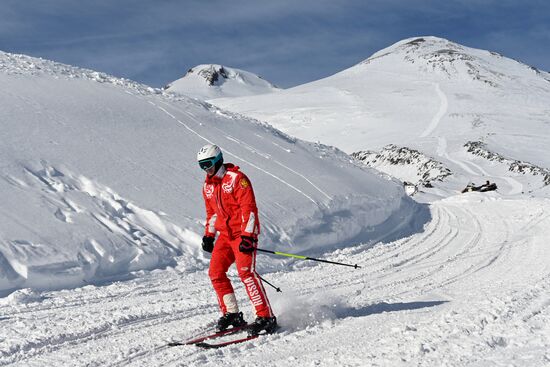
(230, 204)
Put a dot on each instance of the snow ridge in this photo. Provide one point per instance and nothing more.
(15, 64)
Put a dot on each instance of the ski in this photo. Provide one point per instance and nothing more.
(213, 345)
(224, 344)
(202, 338)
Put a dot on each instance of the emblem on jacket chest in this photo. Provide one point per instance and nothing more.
(228, 186)
(208, 190)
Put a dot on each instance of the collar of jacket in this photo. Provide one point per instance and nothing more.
(218, 177)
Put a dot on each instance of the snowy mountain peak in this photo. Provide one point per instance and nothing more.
(213, 81)
(420, 46)
(215, 74)
(441, 57)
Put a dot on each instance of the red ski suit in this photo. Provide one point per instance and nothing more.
(231, 210)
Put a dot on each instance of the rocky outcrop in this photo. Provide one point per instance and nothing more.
(211, 74)
(425, 168)
(479, 148)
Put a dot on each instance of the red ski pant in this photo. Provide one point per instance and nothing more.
(226, 252)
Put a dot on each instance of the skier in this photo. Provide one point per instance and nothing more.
(231, 210)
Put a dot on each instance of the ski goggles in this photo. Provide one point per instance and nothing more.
(208, 163)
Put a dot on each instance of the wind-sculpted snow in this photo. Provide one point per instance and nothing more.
(99, 180)
(109, 236)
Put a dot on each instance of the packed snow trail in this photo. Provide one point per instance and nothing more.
(473, 288)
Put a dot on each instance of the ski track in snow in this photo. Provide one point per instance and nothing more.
(472, 287)
(476, 170)
(442, 152)
(440, 113)
(441, 140)
(266, 156)
(226, 151)
(515, 186)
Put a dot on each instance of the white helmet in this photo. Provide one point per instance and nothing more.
(209, 156)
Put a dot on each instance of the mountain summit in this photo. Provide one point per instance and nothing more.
(443, 58)
(214, 81)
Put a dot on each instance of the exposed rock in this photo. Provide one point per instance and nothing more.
(426, 169)
(479, 148)
(213, 74)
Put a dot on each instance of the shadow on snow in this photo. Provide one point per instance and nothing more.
(383, 307)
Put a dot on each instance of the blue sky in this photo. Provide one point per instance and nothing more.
(288, 42)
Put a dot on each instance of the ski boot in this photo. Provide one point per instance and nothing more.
(267, 324)
(234, 319)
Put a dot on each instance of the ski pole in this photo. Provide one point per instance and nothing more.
(307, 258)
(265, 281)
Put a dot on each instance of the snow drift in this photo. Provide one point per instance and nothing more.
(98, 179)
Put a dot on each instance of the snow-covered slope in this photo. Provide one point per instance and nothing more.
(98, 178)
(428, 94)
(471, 290)
(216, 81)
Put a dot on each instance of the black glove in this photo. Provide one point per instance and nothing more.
(208, 243)
(248, 244)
